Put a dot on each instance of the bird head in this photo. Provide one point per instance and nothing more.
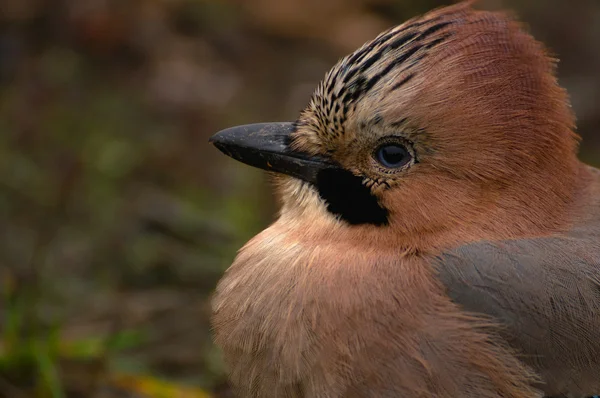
(449, 125)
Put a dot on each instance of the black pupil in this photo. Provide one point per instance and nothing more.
(392, 155)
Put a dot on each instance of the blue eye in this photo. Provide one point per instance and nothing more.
(393, 156)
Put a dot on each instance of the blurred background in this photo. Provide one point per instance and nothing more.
(117, 217)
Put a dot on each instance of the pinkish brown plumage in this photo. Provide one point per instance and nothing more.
(432, 186)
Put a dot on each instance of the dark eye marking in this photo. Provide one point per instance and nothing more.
(347, 197)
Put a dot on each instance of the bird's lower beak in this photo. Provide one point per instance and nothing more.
(266, 146)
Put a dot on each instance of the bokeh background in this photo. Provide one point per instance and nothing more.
(117, 217)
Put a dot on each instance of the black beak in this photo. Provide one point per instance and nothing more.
(266, 146)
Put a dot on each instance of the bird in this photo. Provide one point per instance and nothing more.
(437, 235)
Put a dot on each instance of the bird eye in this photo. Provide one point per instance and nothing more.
(392, 156)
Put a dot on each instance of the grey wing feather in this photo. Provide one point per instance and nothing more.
(545, 292)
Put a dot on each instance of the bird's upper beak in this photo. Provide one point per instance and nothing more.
(267, 146)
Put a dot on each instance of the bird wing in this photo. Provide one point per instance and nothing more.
(545, 292)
